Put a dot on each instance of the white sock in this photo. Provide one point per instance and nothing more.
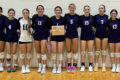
(103, 64)
(40, 65)
(59, 65)
(118, 65)
(96, 64)
(27, 66)
(44, 66)
(54, 65)
(113, 65)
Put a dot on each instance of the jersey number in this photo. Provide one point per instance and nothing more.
(86, 23)
(114, 26)
(71, 21)
(9, 26)
(39, 23)
(102, 21)
(25, 27)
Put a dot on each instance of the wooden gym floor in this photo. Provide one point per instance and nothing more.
(63, 76)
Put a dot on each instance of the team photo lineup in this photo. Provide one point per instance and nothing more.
(52, 34)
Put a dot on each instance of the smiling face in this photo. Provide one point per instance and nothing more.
(86, 10)
(113, 15)
(40, 10)
(26, 13)
(72, 9)
(11, 14)
(58, 12)
(101, 9)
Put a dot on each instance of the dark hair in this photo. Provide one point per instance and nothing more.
(72, 4)
(104, 7)
(86, 6)
(1, 9)
(11, 9)
(58, 7)
(114, 10)
(40, 6)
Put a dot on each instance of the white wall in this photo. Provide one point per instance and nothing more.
(49, 5)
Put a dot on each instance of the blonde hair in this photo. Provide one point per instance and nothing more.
(29, 21)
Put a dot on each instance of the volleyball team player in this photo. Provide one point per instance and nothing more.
(114, 40)
(72, 23)
(57, 42)
(101, 37)
(40, 25)
(87, 37)
(25, 40)
(12, 27)
(2, 39)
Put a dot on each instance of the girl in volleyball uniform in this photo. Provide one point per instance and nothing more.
(72, 23)
(11, 38)
(2, 39)
(114, 40)
(40, 25)
(87, 37)
(25, 40)
(57, 20)
(101, 37)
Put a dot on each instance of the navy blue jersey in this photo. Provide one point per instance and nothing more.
(114, 31)
(57, 22)
(86, 24)
(11, 30)
(2, 27)
(40, 26)
(72, 23)
(101, 26)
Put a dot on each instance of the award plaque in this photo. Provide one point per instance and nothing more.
(58, 30)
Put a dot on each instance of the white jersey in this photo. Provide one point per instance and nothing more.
(24, 34)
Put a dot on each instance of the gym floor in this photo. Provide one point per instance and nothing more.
(63, 76)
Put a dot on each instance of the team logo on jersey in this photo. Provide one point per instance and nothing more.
(39, 23)
(9, 27)
(102, 21)
(71, 21)
(114, 26)
(86, 23)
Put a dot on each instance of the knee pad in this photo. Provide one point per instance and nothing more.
(8, 64)
(60, 56)
(38, 55)
(29, 55)
(69, 55)
(8, 57)
(97, 53)
(103, 52)
(44, 57)
(90, 53)
(117, 55)
(75, 55)
(83, 53)
(22, 56)
(2, 55)
(112, 54)
(15, 56)
(53, 56)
